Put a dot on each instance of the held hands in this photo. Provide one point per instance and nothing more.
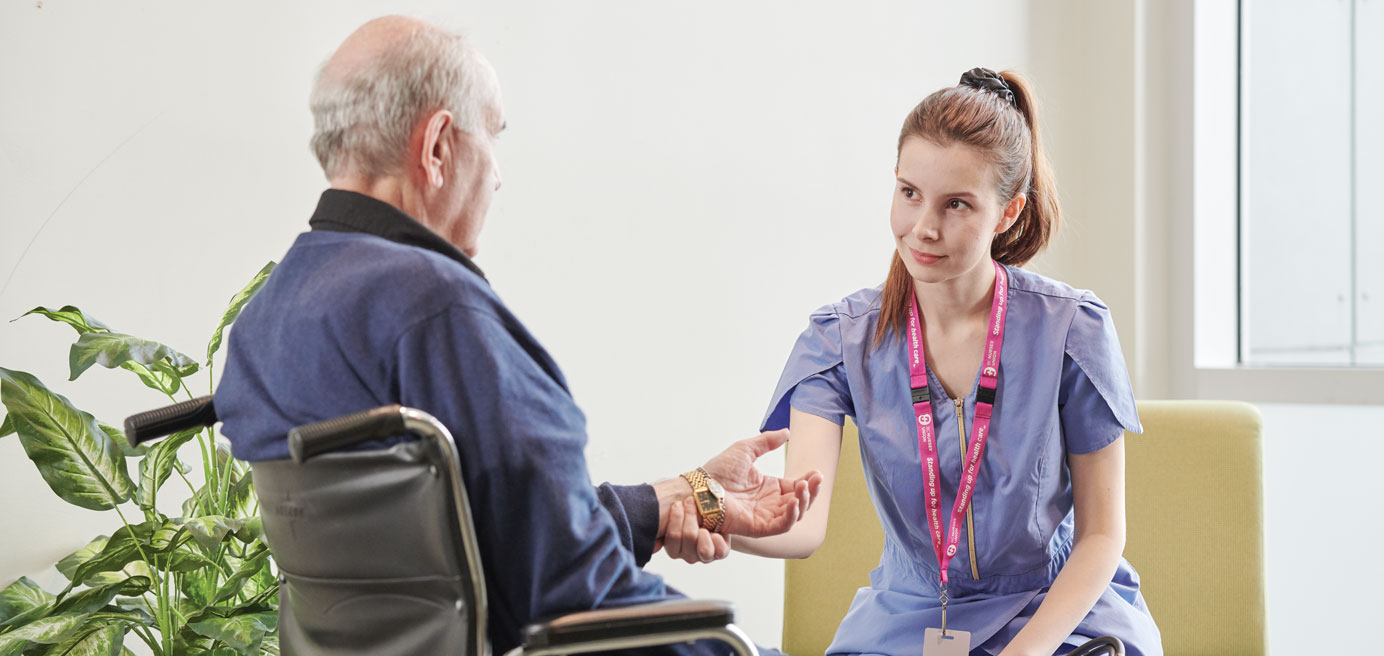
(756, 505)
(686, 539)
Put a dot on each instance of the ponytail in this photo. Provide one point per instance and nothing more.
(1042, 215)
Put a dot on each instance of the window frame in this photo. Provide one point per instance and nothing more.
(1217, 369)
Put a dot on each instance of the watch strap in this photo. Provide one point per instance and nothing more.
(698, 478)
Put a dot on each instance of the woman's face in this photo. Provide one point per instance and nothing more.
(946, 211)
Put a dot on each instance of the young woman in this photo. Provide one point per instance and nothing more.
(970, 377)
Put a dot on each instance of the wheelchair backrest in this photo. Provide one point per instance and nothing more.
(369, 554)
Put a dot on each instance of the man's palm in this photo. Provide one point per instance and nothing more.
(759, 505)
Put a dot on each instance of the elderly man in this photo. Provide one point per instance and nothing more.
(381, 303)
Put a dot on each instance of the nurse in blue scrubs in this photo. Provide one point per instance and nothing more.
(1033, 557)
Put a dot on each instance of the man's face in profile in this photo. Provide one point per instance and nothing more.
(475, 177)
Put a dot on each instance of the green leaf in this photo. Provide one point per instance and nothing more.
(118, 436)
(155, 468)
(188, 642)
(48, 630)
(154, 380)
(6, 427)
(171, 550)
(247, 570)
(210, 530)
(70, 315)
(242, 633)
(240, 498)
(198, 587)
(80, 462)
(21, 598)
(174, 367)
(184, 560)
(252, 530)
(98, 638)
(112, 350)
(166, 545)
(68, 566)
(122, 548)
(136, 606)
(94, 599)
(236, 305)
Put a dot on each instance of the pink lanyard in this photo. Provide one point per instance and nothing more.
(927, 441)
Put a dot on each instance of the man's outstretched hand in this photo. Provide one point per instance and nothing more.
(758, 505)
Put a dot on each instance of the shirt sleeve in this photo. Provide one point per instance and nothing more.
(549, 544)
(1096, 402)
(814, 379)
(635, 511)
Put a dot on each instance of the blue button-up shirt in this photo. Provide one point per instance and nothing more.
(371, 308)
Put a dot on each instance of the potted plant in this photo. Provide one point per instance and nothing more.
(201, 582)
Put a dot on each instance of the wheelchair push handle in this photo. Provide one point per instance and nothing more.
(167, 420)
(304, 442)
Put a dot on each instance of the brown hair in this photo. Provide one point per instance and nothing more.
(1006, 135)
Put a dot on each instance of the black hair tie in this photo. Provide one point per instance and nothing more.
(988, 80)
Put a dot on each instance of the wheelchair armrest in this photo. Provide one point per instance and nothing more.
(659, 617)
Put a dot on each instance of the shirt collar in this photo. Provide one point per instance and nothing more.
(347, 211)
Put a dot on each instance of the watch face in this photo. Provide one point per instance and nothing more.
(707, 503)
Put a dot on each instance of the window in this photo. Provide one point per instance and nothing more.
(1311, 168)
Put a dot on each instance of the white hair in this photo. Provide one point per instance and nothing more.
(363, 117)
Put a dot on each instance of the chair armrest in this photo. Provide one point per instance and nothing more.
(675, 615)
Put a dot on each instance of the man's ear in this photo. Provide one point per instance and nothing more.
(435, 151)
(1012, 210)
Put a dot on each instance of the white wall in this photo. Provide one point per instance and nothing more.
(683, 184)
(1322, 521)
(706, 176)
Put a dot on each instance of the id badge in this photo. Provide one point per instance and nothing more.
(955, 643)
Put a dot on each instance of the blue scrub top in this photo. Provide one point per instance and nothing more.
(1063, 389)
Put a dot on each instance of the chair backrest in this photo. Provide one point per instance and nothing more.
(367, 546)
(1195, 514)
(1196, 524)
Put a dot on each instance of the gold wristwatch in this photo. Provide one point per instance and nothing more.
(710, 498)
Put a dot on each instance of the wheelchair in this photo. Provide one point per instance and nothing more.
(377, 553)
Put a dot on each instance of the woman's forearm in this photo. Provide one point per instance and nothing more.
(1098, 499)
(815, 445)
(1081, 582)
(799, 542)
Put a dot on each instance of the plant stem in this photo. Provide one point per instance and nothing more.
(138, 546)
(190, 487)
(148, 638)
(166, 613)
(161, 582)
(225, 491)
(208, 464)
(207, 478)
